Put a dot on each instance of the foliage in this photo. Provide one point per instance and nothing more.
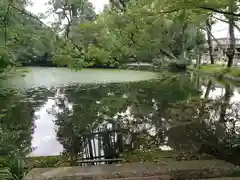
(11, 168)
(16, 129)
(136, 31)
(23, 38)
(127, 31)
(5, 174)
(71, 51)
(116, 37)
(16, 135)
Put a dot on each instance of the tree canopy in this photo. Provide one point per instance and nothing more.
(81, 38)
(126, 31)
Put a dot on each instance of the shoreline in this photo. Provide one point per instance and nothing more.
(219, 75)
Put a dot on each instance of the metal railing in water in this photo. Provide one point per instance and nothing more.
(102, 147)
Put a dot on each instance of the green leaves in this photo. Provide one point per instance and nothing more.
(5, 174)
(11, 168)
(130, 32)
(140, 33)
(23, 38)
(96, 54)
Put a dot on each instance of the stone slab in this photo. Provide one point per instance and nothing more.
(163, 177)
(224, 178)
(137, 171)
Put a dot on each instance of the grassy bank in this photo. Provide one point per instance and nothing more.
(220, 71)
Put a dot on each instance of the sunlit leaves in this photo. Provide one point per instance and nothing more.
(97, 54)
(5, 174)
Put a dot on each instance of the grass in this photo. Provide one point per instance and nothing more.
(145, 156)
(221, 70)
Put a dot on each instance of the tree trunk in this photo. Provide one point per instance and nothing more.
(198, 58)
(225, 103)
(203, 106)
(208, 89)
(209, 40)
(232, 45)
(74, 10)
(181, 40)
(182, 45)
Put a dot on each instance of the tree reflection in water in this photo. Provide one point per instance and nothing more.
(177, 112)
(171, 112)
(17, 119)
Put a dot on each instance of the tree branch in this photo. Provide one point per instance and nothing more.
(223, 20)
(5, 21)
(69, 24)
(170, 11)
(204, 7)
(36, 18)
(219, 11)
(215, 39)
(30, 15)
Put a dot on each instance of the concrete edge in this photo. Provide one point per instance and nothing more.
(214, 169)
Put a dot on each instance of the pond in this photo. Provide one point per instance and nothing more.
(50, 110)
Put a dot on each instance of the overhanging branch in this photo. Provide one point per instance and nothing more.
(203, 7)
(170, 11)
(219, 11)
(5, 21)
(36, 18)
(223, 20)
(215, 39)
(30, 15)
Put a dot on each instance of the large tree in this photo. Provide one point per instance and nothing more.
(23, 37)
(228, 8)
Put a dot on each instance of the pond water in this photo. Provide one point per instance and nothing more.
(57, 77)
(50, 110)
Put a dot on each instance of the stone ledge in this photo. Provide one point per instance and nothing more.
(176, 170)
(163, 177)
(224, 178)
